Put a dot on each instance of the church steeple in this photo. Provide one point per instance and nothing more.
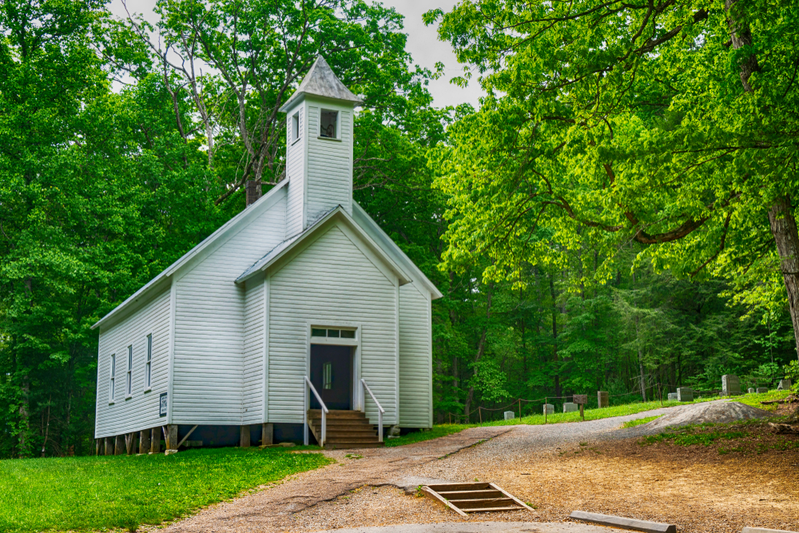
(319, 144)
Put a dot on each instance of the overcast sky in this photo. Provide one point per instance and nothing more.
(423, 44)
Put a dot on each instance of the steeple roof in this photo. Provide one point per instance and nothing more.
(321, 81)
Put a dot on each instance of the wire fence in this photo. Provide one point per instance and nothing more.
(516, 405)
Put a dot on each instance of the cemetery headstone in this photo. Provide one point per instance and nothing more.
(751, 390)
(672, 396)
(730, 385)
(762, 390)
(603, 399)
(510, 415)
(685, 394)
(569, 407)
(549, 409)
(785, 384)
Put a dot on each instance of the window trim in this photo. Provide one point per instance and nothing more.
(337, 134)
(148, 364)
(295, 134)
(112, 380)
(129, 374)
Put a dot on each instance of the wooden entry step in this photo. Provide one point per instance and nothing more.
(466, 498)
(345, 429)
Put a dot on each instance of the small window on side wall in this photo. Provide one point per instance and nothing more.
(295, 126)
(112, 378)
(129, 375)
(328, 124)
(148, 365)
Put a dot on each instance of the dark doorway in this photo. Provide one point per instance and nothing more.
(331, 374)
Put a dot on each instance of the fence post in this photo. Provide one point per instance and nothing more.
(520, 409)
(480, 413)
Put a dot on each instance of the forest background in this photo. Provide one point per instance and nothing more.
(123, 145)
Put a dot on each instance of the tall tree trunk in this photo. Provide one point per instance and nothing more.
(786, 236)
(480, 350)
(554, 332)
(641, 375)
(24, 415)
(780, 216)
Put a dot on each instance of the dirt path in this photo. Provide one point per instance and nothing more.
(273, 509)
(591, 466)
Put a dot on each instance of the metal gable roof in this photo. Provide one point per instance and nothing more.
(387, 243)
(208, 241)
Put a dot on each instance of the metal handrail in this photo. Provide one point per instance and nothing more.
(305, 415)
(380, 410)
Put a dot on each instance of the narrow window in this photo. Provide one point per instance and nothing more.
(148, 366)
(328, 125)
(318, 332)
(333, 333)
(113, 374)
(347, 333)
(327, 376)
(295, 126)
(129, 377)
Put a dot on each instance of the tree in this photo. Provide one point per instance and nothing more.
(93, 203)
(671, 124)
(236, 63)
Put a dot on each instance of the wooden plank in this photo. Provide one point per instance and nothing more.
(512, 497)
(430, 493)
(187, 436)
(493, 509)
(465, 505)
(459, 486)
(470, 494)
(624, 523)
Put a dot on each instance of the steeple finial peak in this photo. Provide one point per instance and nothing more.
(322, 81)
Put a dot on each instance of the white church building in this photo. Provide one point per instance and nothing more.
(299, 319)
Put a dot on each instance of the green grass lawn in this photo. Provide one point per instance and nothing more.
(90, 493)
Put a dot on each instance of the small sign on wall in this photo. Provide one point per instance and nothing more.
(162, 405)
(581, 399)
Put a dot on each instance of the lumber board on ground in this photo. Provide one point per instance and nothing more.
(432, 495)
(624, 523)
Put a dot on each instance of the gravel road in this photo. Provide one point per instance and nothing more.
(311, 501)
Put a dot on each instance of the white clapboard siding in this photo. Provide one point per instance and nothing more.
(209, 324)
(140, 411)
(253, 379)
(295, 170)
(330, 282)
(329, 172)
(415, 358)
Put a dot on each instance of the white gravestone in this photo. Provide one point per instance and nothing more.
(685, 394)
(510, 415)
(570, 407)
(549, 409)
(785, 384)
(672, 396)
(730, 385)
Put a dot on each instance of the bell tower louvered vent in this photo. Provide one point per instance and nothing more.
(319, 132)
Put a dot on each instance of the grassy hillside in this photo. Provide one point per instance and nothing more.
(89, 493)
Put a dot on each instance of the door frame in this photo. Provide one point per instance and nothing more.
(355, 344)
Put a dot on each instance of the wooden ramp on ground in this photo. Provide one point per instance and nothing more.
(466, 498)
